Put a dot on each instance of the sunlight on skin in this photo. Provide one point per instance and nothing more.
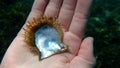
(72, 14)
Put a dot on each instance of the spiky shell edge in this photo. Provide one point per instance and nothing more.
(31, 28)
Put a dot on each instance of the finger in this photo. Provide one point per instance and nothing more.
(66, 13)
(36, 12)
(37, 9)
(85, 58)
(53, 8)
(79, 19)
(86, 50)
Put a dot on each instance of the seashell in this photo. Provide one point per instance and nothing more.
(45, 37)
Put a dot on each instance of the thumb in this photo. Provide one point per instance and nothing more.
(86, 51)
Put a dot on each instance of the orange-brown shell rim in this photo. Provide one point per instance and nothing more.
(32, 27)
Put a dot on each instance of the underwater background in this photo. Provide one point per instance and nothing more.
(103, 25)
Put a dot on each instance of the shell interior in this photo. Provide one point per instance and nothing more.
(48, 41)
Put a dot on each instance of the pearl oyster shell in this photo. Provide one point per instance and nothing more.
(44, 36)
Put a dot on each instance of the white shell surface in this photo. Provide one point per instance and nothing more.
(48, 41)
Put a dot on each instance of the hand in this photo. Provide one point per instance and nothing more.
(72, 14)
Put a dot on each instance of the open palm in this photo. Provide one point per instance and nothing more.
(72, 15)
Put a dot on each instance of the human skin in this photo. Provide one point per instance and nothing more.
(72, 15)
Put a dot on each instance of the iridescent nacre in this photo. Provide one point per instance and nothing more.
(48, 41)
